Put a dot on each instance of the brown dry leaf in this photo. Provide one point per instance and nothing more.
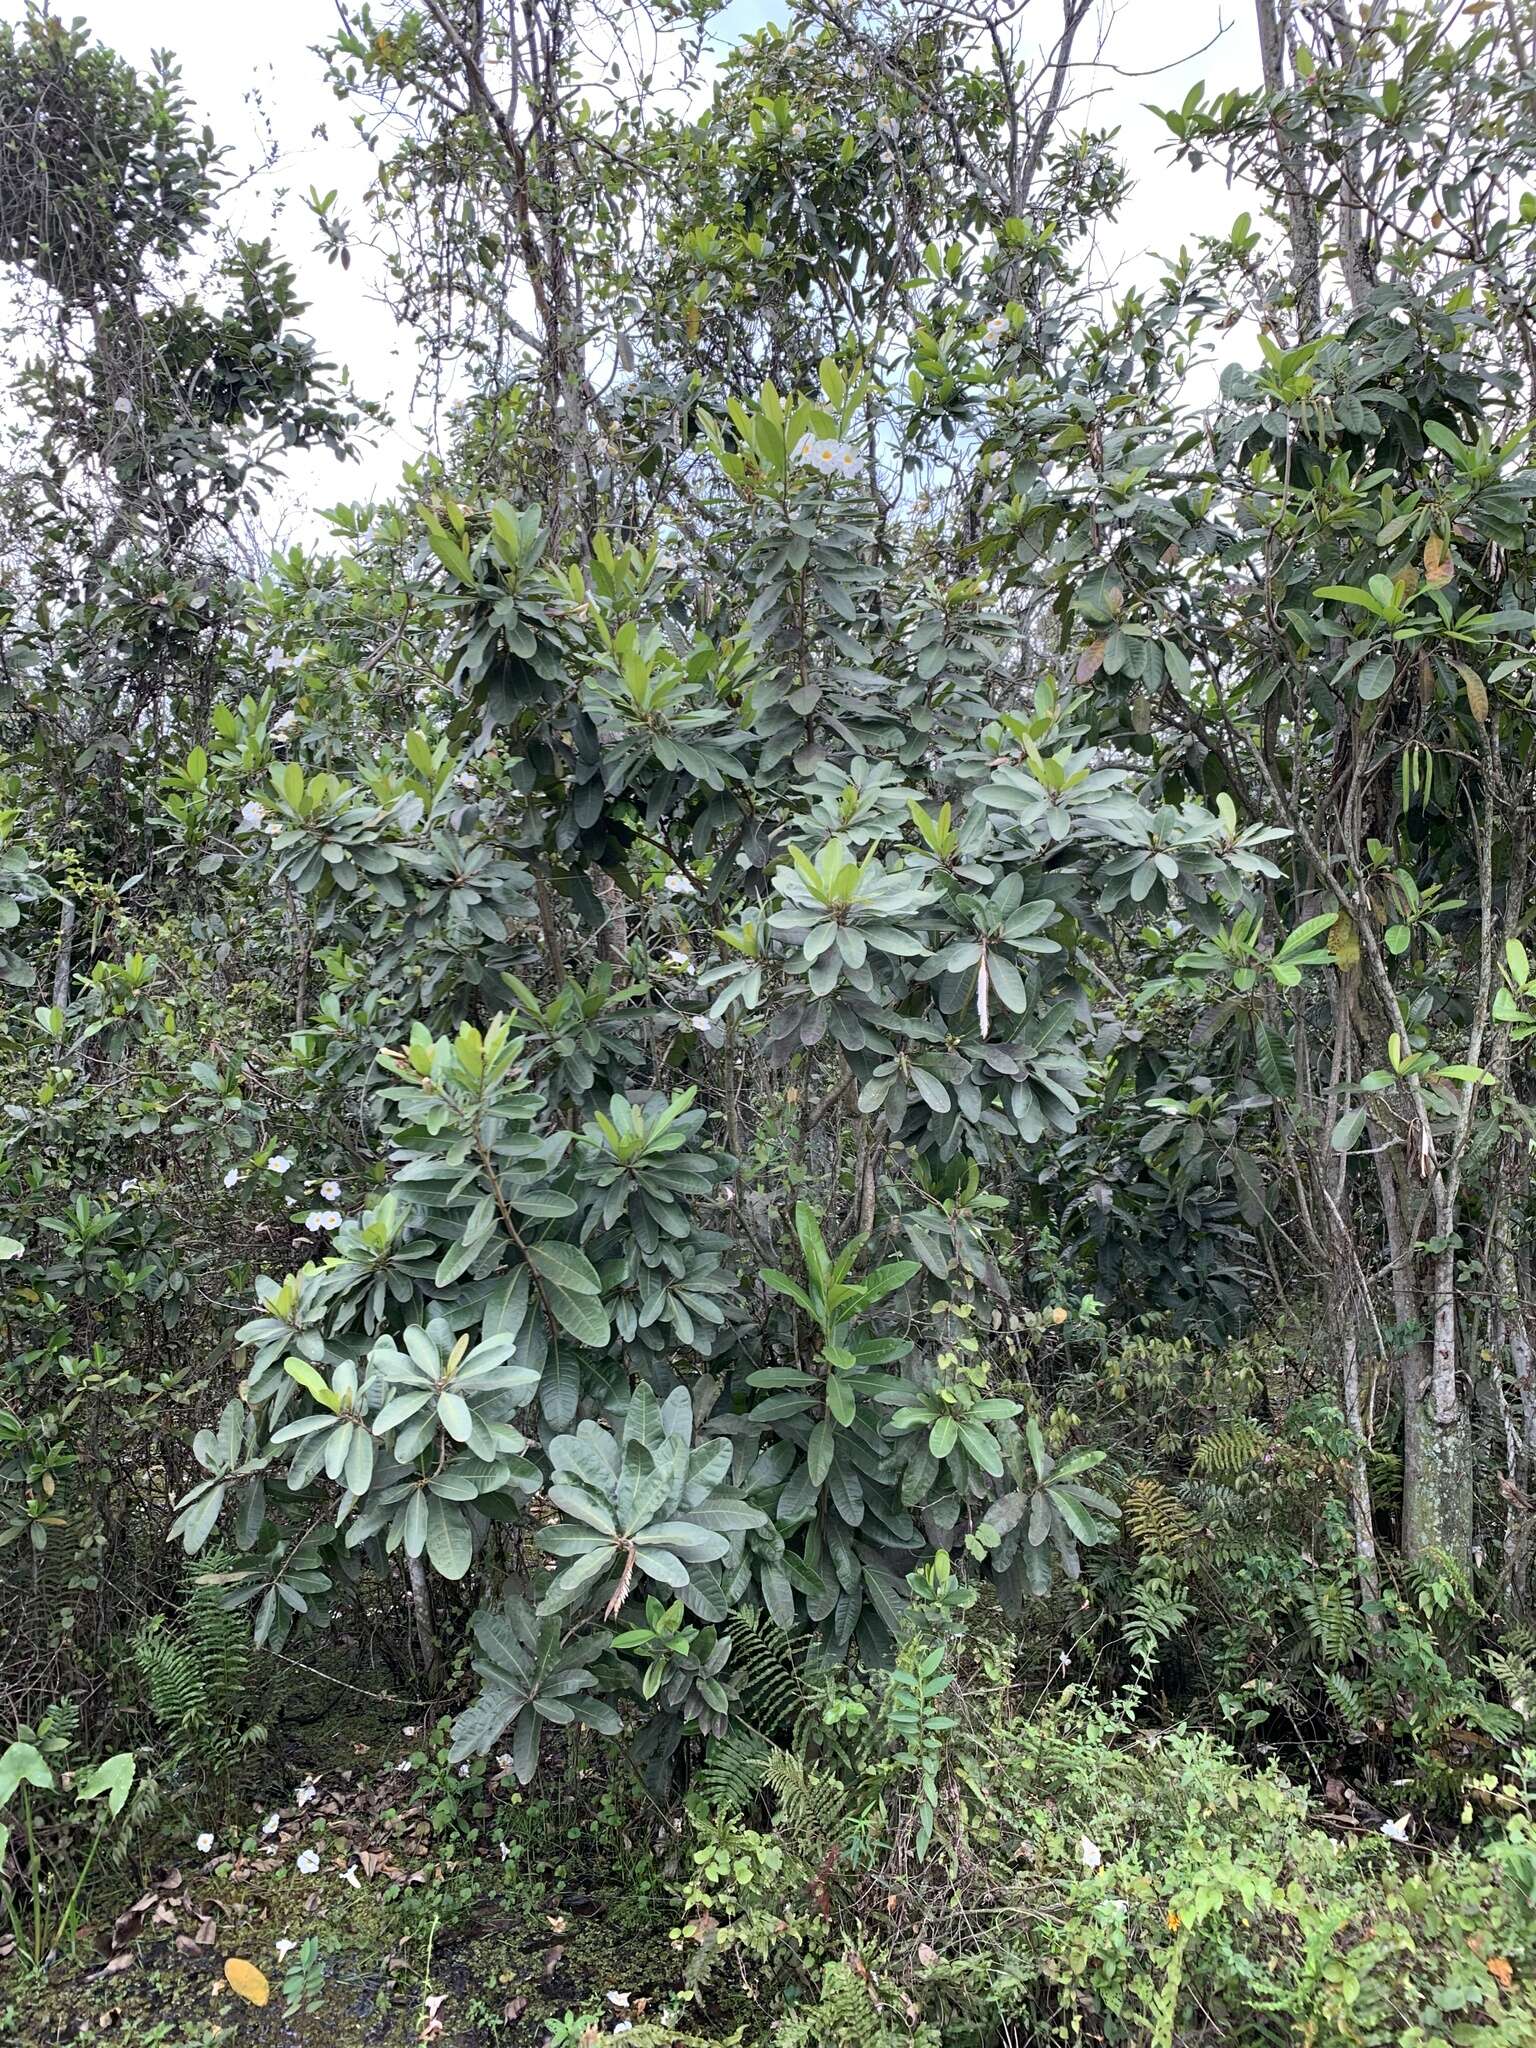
(1477, 692)
(552, 1959)
(1090, 661)
(119, 1963)
(1437, 562)
(246, 1981)
(514, 2009)
(1501, 1969)
(186, 1946)
(207, 1931)
(556, 1922)
(927, 1955)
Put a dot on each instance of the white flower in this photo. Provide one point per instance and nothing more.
(677, 957)
(349, 1876)
(887, 124)
(304, 1795)
(997, 329)
(404, 1764)
(463, 1770)
(505, 1851)
(279, 1163)
(284, 1946)
(272, 1823)
(701, 1024)
(232, 1178)
(504, 1760)
(312, 1220)
(126, 1187)
(204, 1844)
(1091, 1854)
(280, 727)
(407, 1731)
(679, 885)
(847, 458)
(330, 1191)
(798, 131)
(251, 815)
(308, 1861)
(1396, 1830)
(330, 1219)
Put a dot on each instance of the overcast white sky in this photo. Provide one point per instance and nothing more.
(247, 64)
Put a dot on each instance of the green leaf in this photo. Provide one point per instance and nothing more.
(1348, 1128)
(578, 1315)
(449, 1547)
(312, 1382)
(114, 1777)
(563, 1266)
(22, 1764)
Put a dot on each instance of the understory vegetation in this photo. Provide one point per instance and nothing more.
(766, 1192)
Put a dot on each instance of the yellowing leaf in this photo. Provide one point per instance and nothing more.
(1499, 1967)
(1344, 941)
(1437, 562)
(1477, 692)
(246, 1981)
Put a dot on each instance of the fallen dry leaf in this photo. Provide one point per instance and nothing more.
(1501, 1969)
(246, 1981)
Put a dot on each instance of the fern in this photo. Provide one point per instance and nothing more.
(731, 1776)
(1348, 1701)
(851, 2013)
(1158, 1521)
(1333, 1620)
(197, 1678)
(768, 1666)
(808, 1801)
(1231, 1450)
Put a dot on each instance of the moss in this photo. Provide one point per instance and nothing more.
(486, 1944)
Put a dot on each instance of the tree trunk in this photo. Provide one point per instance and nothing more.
(1437, 1434)
(1306, 266)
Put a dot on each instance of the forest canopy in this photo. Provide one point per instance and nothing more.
(795, 1099)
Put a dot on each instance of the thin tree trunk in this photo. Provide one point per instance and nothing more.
(1306, 278)
(421, 1606)
(61, 971)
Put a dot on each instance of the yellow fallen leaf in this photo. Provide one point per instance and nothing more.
(1500, 1968)
(246, 1981)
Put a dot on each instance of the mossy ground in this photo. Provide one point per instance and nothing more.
(513, 1909)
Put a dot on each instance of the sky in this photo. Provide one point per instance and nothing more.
(249, 66)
